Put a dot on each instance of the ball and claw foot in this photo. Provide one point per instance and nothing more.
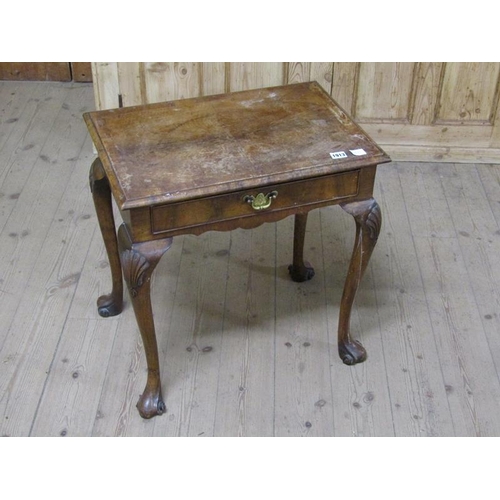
(300, 274)
(352, 352)
(150, 406)
(107, 307)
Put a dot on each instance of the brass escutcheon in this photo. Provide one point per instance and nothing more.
(261, 201)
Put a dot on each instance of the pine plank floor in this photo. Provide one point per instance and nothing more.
(244, 350)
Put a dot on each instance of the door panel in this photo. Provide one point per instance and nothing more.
(469, 93)
(384, 92)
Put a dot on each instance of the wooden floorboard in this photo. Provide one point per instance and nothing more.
(303, 385)
(245, 389)
(419, 403)
(244, 351)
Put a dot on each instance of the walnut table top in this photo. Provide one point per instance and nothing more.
(197, 147)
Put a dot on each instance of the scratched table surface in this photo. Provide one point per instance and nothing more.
(166, 152)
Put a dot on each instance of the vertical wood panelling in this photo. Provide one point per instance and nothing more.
(129, 80)
(426, 89)
(166, 81)
(384, 92)
(253, 75)
(320, 72)
(213, 78)
(156, 80)
(344, 85)
(105, 78)
(469, 92)
(298, 72)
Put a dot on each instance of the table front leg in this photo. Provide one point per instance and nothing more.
(300, 270)
(368, 221)
(112, 304)
(139, 261)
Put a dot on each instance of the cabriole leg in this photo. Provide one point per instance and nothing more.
(139, 261)
(368, 221)
(112, 304)
(300, 270)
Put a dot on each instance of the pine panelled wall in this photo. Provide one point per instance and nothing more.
(432, 111)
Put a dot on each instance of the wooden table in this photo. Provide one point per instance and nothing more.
(224, 162)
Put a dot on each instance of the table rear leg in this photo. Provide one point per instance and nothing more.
(300, 270)
(112, 304)
(139, 261)
(368, 221)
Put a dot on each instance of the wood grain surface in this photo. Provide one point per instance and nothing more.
(225, 143)
(46, 71)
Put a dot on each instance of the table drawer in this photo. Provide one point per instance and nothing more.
(238, 204)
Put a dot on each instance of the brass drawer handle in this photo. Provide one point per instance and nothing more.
(261, 201)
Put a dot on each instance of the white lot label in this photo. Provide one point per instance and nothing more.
(358, 152)
(338, 154)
